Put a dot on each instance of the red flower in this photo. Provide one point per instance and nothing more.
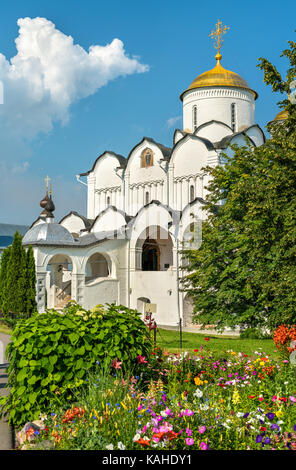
(116, 364)
(143, 442)
(207, 339)
(251, 396)
(195, 350)
(262, 428)
(141, 359)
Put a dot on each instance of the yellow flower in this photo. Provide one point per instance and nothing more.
(235, 397)
(197, 381)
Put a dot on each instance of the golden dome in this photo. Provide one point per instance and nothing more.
(218, 76)
(282, 115)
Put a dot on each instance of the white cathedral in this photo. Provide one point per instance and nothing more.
(142, 208)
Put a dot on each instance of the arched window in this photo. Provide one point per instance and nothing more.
(192, 195)
(147, 197)
(108, 201)
(96, 266)
(233, 117)
(147, 158)
(194, 118)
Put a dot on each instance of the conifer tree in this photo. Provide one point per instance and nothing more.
(30, 290)
(3, 278)
(16, 277)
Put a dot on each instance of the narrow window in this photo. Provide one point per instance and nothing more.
(194, 118)
(108, 201)
(147, 197)
(191, 193)
(233, 117)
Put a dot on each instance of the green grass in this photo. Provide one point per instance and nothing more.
(170, 341)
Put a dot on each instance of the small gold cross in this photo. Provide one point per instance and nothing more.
(47, 180)
(217, 35)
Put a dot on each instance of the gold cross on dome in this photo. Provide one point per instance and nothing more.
(217, 35)
(47, 180)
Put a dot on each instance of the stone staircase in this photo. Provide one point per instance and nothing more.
(62, 303)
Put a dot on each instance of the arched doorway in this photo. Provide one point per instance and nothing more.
(59, 269)
(154, 250)
(141, 305)
(150, 255)
(96, 267)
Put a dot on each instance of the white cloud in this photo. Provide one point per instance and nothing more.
(173, 121)
(49, 73)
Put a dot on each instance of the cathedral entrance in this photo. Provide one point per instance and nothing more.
(154, 250)
(150, 255)
(60, 281)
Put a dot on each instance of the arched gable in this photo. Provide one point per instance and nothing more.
(213, 130)
(104, 170)
(75, 223)
(256, 134)
(138, 171)
(190, 155)
(108, 220)
(154, 214)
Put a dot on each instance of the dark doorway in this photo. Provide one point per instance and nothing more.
(150, 255)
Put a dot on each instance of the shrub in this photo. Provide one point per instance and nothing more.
(253, 333)
(51, 354)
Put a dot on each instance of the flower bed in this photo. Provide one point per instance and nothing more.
(203, 401)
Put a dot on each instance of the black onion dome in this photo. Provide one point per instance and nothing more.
(44, 201)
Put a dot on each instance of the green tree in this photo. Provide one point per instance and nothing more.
(30, 288)
(245, 271)
(16, 277)
(3, 278)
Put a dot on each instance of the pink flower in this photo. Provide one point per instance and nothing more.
(202, 429)
(188, 432)
(116, 364)
(141, 359)
(293, 399)
(189, 441)
(274, 398)
(203, 446)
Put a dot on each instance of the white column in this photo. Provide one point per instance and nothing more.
(77, 287)
(91, 209)
(41, 291)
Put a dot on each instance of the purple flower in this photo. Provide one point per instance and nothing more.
(274, 426)
(246, 415)
(267, 440)
(259, 438)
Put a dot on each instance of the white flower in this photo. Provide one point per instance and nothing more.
(121, 446)
(109, 447)
(204, 407)
(239, 414)
(198, 393)
(136, 437)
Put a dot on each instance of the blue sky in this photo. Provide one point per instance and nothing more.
(169, 38)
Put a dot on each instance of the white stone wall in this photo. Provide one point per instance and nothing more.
(215, 103)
